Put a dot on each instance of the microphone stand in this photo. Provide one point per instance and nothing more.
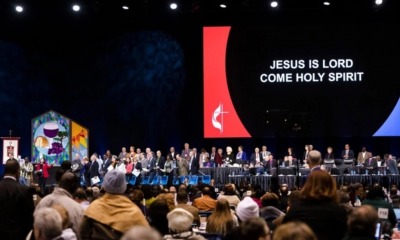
(296, 129)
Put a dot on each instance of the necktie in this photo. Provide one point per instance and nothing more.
(369, 162)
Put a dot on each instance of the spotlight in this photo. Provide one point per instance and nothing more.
(19, 9)
(76, 7)
(173, 6)
(222, 5)
(378, 2)
(326, 3)
(125, 7)
(274, 4)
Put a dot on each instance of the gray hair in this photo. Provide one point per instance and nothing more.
(141, 233)
(48, 221)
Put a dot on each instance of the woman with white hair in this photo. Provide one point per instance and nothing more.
(47, 224)
(229, 157)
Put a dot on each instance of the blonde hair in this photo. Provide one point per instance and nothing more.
(294, 230)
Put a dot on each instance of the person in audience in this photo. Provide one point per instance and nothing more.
(158, 211)
(395, 197)
(62, 195)
(256, 196)
(16, 204)
(314, 160)
(283, 197)
(67, 232)
(81, 198)
(182, 199)
(319, 207)
(247, 209)
(270, 210)
(347, 153)
(47, 224)
(180, 225)
(361, 223)
(253, 228)
(230, 195)
(205, 202)
(294, 230)
(376, 198)
(137, 198)
(344, 201)
(169, 198)
(357, 194)
(113, 210)
(222, 220)
(141, 233)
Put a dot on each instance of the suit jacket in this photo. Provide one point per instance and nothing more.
(16, 210)
(392, 166)
(244, 156)
(183, 167)
(371, 163)
(253, 158)
(194, 166)
(361, 159)
(350, 155)
(106, 164)
(268, 164)
(94, 169)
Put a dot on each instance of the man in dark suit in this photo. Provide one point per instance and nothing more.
(347, 153)
(193, 164)
(371, 164)
(16, 204)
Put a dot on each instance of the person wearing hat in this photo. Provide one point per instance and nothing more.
(247, 209)
(113, 214)
(180, 225)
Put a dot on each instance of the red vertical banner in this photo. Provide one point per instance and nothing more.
(220, 117)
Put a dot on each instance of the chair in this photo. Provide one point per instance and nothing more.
(175, 181)
(156, 180)
(145, 180)
(206, 179)
(182, 179)
(132, 181)
(193, 180)
(348, 162)
(164, 180)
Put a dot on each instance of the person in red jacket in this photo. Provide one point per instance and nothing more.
(42, 173)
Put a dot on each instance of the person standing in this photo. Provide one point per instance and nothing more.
(27, 171)
(42, 171)
(16, 204)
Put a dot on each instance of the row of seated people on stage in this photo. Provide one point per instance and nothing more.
(319, 210)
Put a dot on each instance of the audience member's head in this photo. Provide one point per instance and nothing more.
(182, 196)
(47, 224)
(141, 233)
(294, 198)
(270, 199)
(294, 230)
(158, 211)
(375, 193)
(137, 196)
(114, 182)
(12, 168)
(229, 189)
(80, 195)
(169, 198)
(254, 228)
(314, 158)
(320, 186)
(246, 209)
(362, 221)
(206, 191)
(63, 214)
(68, 182)
(179, 220)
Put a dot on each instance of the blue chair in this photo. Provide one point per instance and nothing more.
(164, 180)
(145, 180)
(182, 179)
(175, 181)
(156, 180)
(206, 179)
(132, 181)
(193, 180)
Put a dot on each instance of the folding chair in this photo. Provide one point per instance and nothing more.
(164, 180)
(132, 181)
(193, 180)
(156, 180)
(145, 180)
(175, 181)
(206, 179)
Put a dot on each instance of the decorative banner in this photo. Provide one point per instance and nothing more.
(79, 140)
(10, 146)
(51, 138)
